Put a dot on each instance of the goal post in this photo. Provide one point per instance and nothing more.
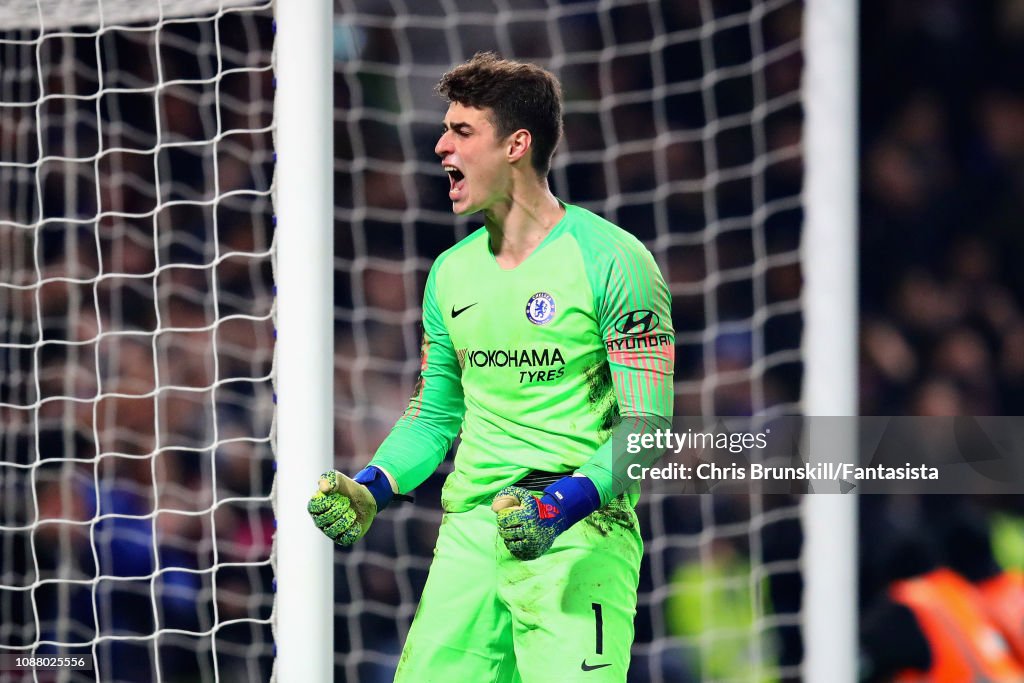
(304, 367)
(829, 256)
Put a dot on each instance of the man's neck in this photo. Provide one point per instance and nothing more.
(518, 226)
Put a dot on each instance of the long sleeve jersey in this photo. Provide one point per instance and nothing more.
(538, 366)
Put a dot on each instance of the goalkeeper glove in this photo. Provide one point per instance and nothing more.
(344, 508)
(529, 525)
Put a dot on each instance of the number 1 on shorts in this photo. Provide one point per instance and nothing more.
(599, 626)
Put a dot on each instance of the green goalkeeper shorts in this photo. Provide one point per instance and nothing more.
(566, 616)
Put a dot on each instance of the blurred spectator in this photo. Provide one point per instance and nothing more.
(714, 608)
(948, 611)
(969, 545)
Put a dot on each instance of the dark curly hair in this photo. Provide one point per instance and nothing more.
(520, 95)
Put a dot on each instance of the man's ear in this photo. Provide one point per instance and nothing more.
(519, 143)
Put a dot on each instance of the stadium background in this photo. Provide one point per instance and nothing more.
(942, 294)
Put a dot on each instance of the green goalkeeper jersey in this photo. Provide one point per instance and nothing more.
(537, 365)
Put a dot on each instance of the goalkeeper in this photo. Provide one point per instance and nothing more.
(547, 339)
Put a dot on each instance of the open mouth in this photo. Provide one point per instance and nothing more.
(456, 180)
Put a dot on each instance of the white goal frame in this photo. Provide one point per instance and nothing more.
(304, 366)
(829, 261)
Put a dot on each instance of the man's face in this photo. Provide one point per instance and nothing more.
(474, 158)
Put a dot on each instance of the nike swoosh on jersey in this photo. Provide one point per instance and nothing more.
(457, 312)
(589, 667)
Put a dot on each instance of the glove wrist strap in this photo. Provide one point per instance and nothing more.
(374, 479)
(576, 496)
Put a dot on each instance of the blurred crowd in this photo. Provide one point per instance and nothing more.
(670, 132)
(942, 327)
(943, 173)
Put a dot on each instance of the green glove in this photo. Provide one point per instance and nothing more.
(529, 524)
(342, 508)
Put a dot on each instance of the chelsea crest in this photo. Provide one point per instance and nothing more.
(540, 309)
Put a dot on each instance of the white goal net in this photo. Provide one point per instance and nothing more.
(136, 338)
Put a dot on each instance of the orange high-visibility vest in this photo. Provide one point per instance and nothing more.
(965, 645)
(1003, 596)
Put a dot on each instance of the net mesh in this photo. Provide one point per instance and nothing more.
(135, 303)
(135, 338)
(683, 125)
